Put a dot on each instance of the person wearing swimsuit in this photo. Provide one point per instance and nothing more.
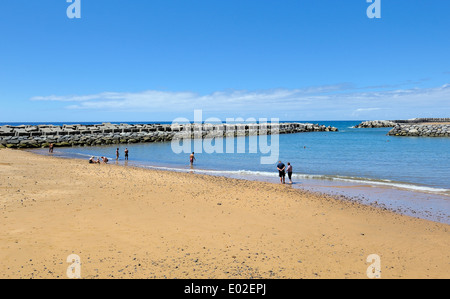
(192, 158)
(289, 172)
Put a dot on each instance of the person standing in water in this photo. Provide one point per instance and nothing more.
(117, 154)
(192, 158)
(126, 153)
(281, 172)
(289, 172)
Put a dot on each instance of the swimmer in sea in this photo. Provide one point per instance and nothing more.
(192, 158)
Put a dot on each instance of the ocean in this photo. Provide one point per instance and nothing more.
(405, 174)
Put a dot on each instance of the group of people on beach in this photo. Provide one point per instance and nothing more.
(98, 161)
(125, 151)
(105, 159)
(282, 170)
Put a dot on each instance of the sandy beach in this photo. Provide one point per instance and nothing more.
(126, 222)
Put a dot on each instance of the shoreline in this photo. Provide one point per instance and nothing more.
(130, 222)
(416, 200)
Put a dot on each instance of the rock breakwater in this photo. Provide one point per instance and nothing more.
(376, 124)
(393, 123)
(423, 130)
(35, 136)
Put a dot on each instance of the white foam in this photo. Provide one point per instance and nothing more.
(399, 185)
(357, 180)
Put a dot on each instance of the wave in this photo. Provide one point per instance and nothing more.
(78, 155)
(389, 183)
(349, 179)
(266, 175)
(74, 154)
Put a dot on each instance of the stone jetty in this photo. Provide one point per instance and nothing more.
(393, 123)
(422, 130)
(422, 120)
(425, 127)
(376, 124)
(36, 136)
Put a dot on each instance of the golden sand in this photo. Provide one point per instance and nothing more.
(126, 222)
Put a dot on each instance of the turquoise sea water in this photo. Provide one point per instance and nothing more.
(407, 174)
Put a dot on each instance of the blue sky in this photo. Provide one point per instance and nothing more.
(148, 60)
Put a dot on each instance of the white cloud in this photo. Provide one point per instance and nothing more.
(367, 109)
(340, 100)
(152, 99)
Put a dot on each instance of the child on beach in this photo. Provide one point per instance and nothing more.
(91, 161)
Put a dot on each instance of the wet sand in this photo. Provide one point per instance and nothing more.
(126, 222)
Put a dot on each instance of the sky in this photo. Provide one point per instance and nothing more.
(149, 60)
